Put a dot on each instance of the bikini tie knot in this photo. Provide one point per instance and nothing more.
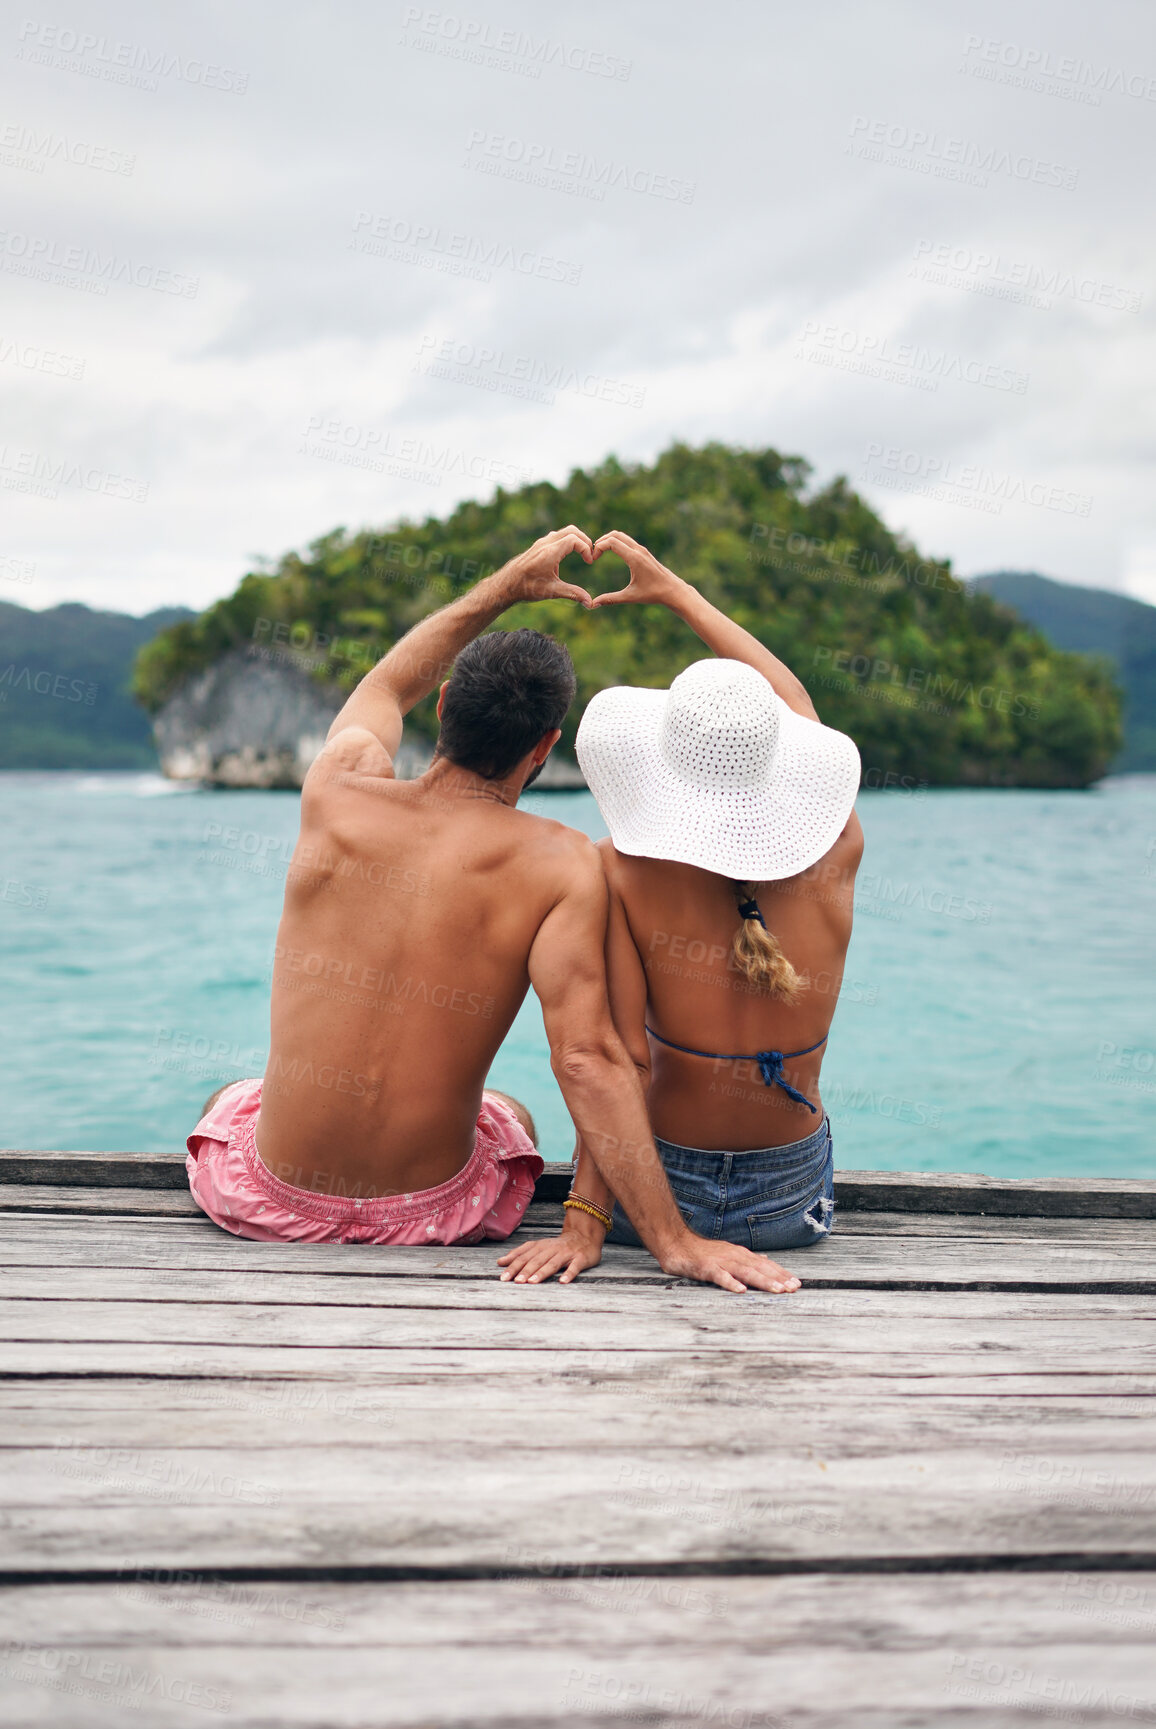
(771, 1068)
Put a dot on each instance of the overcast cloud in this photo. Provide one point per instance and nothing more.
(270, 269)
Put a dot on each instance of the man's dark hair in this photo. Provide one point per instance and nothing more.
(508, 688)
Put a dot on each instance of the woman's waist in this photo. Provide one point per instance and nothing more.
(798, 1162)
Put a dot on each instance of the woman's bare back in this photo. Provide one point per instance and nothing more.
(681, 980)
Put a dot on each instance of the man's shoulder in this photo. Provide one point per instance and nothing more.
(353, 760)
(568, 847)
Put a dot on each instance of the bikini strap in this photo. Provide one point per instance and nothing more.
(770, 1063)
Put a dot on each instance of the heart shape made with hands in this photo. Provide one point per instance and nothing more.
(609, 596)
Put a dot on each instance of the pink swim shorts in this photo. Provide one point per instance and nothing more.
(486, 1200)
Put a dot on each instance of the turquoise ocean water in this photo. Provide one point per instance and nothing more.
(997, 1013)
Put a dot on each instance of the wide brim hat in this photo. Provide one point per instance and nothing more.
(717, 772)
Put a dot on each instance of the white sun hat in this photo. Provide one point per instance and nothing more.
(717, 772)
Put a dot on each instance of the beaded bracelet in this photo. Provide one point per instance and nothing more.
(596, 1212)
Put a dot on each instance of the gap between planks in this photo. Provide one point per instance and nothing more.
(737, 1567)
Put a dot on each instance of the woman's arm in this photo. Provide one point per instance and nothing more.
(651, 582)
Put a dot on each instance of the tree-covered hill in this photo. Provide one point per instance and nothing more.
(65, 687)
(1095, 621)
(930, 680)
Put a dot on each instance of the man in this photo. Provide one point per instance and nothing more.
(417, 914)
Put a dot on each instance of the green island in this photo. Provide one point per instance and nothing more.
(934, 682)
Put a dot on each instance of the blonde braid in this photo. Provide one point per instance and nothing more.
(757, 952)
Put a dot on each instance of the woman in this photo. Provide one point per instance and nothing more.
(731, 867)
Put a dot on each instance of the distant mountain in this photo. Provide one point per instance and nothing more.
(65, 686)
(1094, 621)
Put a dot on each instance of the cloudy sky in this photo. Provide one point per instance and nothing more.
(270, 269)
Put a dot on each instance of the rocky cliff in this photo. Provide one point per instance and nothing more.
(255, 718)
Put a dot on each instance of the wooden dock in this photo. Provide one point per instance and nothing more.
(320, 1486)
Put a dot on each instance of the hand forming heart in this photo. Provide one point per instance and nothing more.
(535, 572)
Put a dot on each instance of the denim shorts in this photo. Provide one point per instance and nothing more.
(772, 1198)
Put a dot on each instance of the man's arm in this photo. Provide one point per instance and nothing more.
(602, 1090)
(626, 992)
(580, 1244)
(651, 582)
(417, 664)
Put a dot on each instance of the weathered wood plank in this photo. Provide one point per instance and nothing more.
(897, 1653)
(423, 1508)
(671, 1320)
(1011, 1197)
(611, 1612)
(886, 1191)
(196, 1243)
(652, 1380)
(955, 1263)
(324, 1286)
(644, 1409)
(1015, 1228)
(95, 1170)
(385, 1687)
(993, 1371)
(545, 1218)
(107, 1203)
(90, 1284)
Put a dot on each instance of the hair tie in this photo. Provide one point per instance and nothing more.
(751, 910)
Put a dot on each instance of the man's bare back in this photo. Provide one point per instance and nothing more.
(401, 961)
